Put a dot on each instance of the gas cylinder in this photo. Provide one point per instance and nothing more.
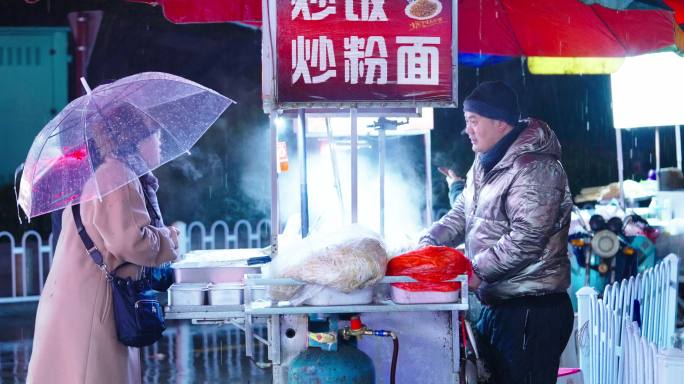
(347, 365)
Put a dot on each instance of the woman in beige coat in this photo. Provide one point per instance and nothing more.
(75, 336)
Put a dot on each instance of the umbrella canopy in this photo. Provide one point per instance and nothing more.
(671, 5)
(209, 11)
(678, 7)
(561, 28)
(141, 121)
(558, 28)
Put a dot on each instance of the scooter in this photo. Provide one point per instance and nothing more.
(607, 251)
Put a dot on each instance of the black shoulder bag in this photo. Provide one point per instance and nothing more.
(137, 313)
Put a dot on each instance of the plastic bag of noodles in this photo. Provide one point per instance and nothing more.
(347, 259)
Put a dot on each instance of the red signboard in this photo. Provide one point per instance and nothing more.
(363, 52)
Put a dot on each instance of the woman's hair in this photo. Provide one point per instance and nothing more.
(118, 130)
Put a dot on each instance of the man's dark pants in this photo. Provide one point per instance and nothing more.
(521, 339)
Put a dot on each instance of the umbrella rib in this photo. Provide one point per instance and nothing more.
(85, 140)
(111, 86)
(231, 101)
(510, 25)
(85, 111)
(624, 48)
(42, 146)
(69, 112)
(166, 79)
(174, 101)
(33, 176)
(178, 143)
(64, 129)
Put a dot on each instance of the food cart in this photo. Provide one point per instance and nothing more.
(357, 60)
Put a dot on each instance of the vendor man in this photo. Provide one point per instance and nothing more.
(513, 216)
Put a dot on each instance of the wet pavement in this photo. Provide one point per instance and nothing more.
(186, 354)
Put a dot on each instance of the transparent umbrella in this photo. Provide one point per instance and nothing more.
(140, 121)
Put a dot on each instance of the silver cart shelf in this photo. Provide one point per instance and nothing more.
(204, 312)
(255, 309)
(222, 312)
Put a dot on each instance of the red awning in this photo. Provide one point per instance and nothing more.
(209, 11)
(558, 28)
(678, 7)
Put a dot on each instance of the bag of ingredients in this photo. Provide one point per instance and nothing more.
(347, 259)
(431, 266)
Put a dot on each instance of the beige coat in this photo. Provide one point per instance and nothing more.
(75, 336)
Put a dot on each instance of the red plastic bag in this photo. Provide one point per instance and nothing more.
(431, 266)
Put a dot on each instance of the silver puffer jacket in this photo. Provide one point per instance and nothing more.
(514, 219)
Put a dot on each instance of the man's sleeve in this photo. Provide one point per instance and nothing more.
(450, 229)
(532, 205)
(455, 190)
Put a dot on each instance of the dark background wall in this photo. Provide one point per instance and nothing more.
(229, 166)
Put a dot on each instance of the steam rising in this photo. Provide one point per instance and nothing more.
(404, 187)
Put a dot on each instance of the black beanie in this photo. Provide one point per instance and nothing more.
(494, 100)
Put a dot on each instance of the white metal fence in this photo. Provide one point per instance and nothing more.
(27, 261)
(24, 264)
(219, 236)
(613, 347)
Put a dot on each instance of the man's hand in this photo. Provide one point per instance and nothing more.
(450, 175)
(474, 282)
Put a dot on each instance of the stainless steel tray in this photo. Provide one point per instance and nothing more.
(216, 266)
(225, 294)
(187, 294)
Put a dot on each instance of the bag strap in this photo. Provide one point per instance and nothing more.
(91, 249)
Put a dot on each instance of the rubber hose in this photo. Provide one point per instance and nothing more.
(395, 355)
